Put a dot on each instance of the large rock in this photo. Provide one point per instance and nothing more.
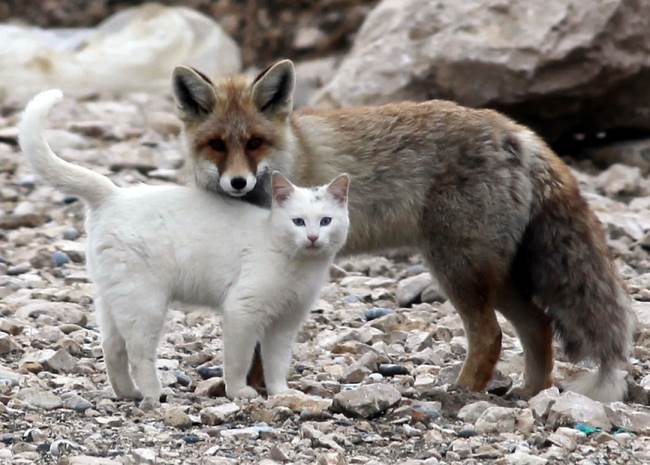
(554, 64)
(571, 408)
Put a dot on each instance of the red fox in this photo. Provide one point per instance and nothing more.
(496, 214)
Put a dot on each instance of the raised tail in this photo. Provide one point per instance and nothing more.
(69, 178)
(564, 265)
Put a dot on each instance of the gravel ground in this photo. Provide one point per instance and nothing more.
(372, 369)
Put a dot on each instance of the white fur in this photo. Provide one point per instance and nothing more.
(150, 245)
(604, 385)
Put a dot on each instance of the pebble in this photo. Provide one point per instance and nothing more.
(220, 414)
(377, 312)
(392, 369)
(60, 258)
(207, 372)
(71, 234)
(176, 417)
(39, 398)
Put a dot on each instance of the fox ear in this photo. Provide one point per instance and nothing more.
(272, 90)
(338, 188)
(281, 187)
(193, 92)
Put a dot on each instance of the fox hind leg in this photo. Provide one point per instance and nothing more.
(535, 332)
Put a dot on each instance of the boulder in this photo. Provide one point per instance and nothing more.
(556, 64)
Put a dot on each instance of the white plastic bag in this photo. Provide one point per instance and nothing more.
(133, 50)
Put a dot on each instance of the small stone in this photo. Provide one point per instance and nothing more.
(355, 374)
(176, 417)
(377, 312)
(542, 401)
(207, 372)
(71, 234)
(471, 412)
(12, 327)
(496, 420)
(89, 460)
(59, 362)
(10, 377)
(278, 455)
(213, 387)
(410, 289)
(7, 345)
(39, 398)
(299, 402)
(144, 456)
(630, 419)
(76, 402)
(217, 415)
(366, 401)
(567, 438)
(523, 458)
(60, 258)
(182, 378)
(391, 369)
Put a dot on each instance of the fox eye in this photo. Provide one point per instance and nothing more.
(326, 220)
(298, 221)
(254, 143)
(217, 144)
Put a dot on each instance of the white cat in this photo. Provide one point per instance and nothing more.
(150, 245)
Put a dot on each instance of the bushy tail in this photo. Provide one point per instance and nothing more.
(565, 266)
(71, 179)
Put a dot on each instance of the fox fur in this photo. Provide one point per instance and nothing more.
(496, 214)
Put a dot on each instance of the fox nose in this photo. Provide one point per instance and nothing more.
(313, 238)
(238, 183)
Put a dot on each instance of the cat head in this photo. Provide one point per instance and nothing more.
(310, 221)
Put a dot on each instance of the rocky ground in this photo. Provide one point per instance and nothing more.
(372, 367)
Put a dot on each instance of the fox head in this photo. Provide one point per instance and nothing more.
(237, 129)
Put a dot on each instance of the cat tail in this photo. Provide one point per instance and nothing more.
(69, 178)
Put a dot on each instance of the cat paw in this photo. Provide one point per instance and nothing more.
(149, 403)
(278, 389)
(128, 394)
(246, 392)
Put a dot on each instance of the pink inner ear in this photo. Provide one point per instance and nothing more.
(339, 189)
(282, 189)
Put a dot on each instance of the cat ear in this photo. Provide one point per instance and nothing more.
(281, 187)
(193, 91)
(272, 90)
(338, 188)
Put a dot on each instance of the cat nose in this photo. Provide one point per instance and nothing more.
(238, 183)
(313, 238)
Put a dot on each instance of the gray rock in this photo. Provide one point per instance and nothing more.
(542, 401)
(366, 401)
(90, 460)
(176, 417)
(40, 399)
(219, 414)
(410, 289)
(497, 420)
(571, 408)
(76, 402)
(471, 412)
(416, 49)
(629, 418)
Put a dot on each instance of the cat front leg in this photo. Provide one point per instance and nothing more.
(240, 335)
(277, 345)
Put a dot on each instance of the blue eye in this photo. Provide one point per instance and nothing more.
(324, 221)
(298, 221)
